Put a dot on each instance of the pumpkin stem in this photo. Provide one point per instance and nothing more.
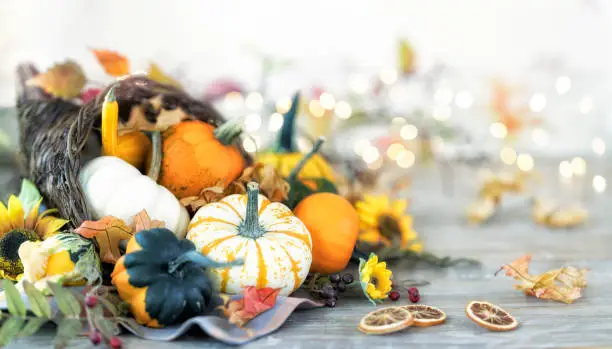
(110, 120)
(298, 168)
(156, 155)
(228, 132)
(201, 260)
(250, 227)
(285, 143)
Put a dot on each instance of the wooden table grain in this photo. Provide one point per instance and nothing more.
(439, 218)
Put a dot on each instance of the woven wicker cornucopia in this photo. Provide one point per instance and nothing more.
(58, 137)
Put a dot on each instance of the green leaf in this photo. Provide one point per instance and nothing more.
(130, 323)
(67, 330)
(16, 306)
(10, 329)
(106, 327)
(32, 327)
(29, 195)
(66, 301)
(109, 306)
(39, 304)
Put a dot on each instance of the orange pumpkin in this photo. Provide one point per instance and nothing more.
(133, 147)
(198, 156)
(333, 224)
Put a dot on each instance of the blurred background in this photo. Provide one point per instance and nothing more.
(509, 80)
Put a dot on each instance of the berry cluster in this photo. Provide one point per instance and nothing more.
(95, 337)
(413, 295)
(334, 285)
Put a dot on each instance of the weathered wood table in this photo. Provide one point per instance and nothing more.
(439, 219)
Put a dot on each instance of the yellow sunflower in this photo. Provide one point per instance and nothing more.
(16, 227)
(385, 222)
(375, 278)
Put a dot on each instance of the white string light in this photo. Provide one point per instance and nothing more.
(276, 122)
(498, 130)
(343, 110)
(409, 132)
(508, 155)
(370, 154)
(283, 105)
(599, 184)
(316, 109)
(254, 101)
(405, 159)
(579, 166)
(327, 100)
(394, 150)
(360, 146)
(252, 122)
(565, 169)
(233, 100)
(598, 145)
(563, 84)
(441, 112)
(539, 136)
(537, 103)
(524, 162)
(464, 99)
(249, 145)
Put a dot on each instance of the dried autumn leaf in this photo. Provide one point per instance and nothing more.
(108, 232)
(254, 302)
(142, 221)
(63, 80)
(113, 63)
(563, 285)
(271, 184)
(156, 74)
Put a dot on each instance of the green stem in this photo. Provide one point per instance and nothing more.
(156, 155)
(227, 133)
(201, 260)
(298, 168)
(110, 95)
(285, 143)
(250, 228)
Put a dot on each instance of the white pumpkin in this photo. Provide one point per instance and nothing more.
(112, 187)
(274, 245)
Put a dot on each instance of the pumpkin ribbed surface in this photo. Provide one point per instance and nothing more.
(193, 159)
(279, 256)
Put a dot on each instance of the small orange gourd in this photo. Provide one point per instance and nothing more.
(333, 224)
(133, 147)
(197, 155)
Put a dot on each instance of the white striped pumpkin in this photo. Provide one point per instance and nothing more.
(274, 245)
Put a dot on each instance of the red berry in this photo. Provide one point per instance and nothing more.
(91, 301)
(394, 295)
(95, 338)
(115, 343)
(413, 294)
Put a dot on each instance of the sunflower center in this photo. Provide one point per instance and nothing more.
(10, 242)
(389, 227)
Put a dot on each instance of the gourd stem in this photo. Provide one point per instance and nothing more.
(201, 260)
(156, 156)
(228, 132)
(285, 143)
(110, 121)
(298, 168)
(250, 227)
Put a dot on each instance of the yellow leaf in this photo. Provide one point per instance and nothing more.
(64, 80)
(113, 63)
(156, 74)
(406, 57)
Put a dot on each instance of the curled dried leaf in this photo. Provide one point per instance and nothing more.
(142, 221)
(271, 184)
(108, 232)
(563, 285)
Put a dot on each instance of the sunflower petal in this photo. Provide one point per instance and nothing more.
(15, 212)
(399, 207)
(51, 226)
(5, 223)
(30, 221)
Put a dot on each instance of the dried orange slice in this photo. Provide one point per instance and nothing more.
(386, 320)
(425, 315)
(490, 316)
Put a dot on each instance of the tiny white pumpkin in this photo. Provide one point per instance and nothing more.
(274, 245)
(113, 187)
